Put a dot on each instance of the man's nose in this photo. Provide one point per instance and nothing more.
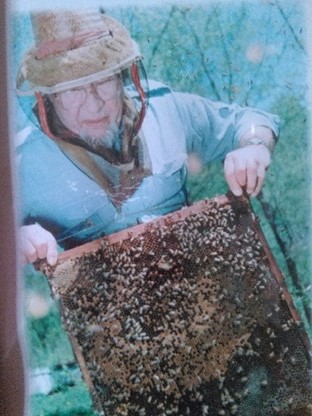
(93, 99)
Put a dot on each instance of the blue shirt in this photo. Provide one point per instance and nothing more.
(63, 199)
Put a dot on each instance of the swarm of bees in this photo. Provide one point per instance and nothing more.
(186, 317)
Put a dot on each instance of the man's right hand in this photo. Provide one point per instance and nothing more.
(37, 243)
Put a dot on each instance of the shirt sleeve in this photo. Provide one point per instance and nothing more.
(212, 129)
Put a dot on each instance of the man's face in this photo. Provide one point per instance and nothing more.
(92, 110)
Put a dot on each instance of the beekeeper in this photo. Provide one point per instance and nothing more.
(110, 149)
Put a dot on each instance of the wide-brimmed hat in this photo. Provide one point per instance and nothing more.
(73, 48)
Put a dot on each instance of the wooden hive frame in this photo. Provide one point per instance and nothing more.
(258, 323)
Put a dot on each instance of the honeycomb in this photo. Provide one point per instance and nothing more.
(185, 315)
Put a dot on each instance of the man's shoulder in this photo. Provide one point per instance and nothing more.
(32, 144)
(27, 135)
(158, 88)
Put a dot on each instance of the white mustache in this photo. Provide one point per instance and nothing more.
(108, 139)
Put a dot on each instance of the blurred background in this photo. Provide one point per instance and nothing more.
(250, 52)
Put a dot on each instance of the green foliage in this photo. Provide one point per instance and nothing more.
(289, 197)
(46, 339)
(48, 343)
(73, 401)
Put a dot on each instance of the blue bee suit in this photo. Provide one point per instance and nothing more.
(62, 198)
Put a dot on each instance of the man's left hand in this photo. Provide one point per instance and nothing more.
(245, 168)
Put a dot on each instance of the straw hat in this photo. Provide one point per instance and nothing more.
(74, 48)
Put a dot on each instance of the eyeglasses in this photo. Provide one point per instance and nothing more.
(106, 90)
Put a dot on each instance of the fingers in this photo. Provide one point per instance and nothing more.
(52, 254)
(28, 250)
(230, 176)
(37, 243)
(260, 180)
(252, 175)
(245, 169)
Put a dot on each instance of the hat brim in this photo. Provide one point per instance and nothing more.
(96, 60)
(47, 78)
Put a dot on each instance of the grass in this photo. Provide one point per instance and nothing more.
(71, 401)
